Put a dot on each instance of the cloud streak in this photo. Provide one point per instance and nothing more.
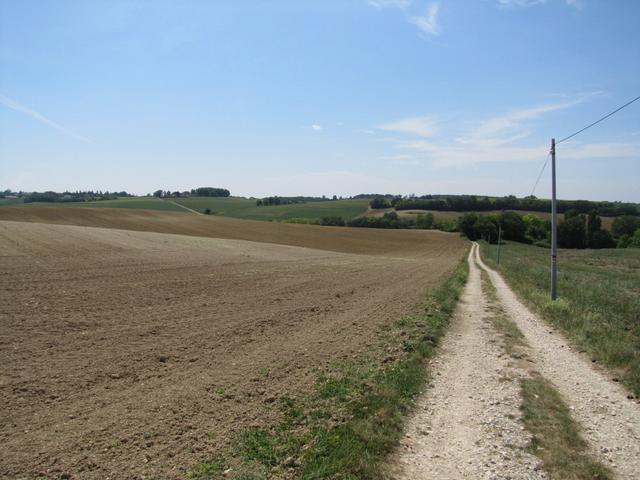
(428, 23)
(496, 139)
(13, 105)
(419, 126)
(380, 4)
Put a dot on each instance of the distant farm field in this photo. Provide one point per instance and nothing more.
(599, 298)
(145, 353)
(235, 207)
(151, 203)
(246, 208)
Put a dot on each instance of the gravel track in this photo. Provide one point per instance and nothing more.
(609, 419)
(467, 425)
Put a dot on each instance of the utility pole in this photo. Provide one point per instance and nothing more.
(554, 223)
(499, 239)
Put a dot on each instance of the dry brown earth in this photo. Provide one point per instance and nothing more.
(126, 354)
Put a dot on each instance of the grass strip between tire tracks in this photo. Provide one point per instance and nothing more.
(354, 418)
(556, 437)
(598, 305)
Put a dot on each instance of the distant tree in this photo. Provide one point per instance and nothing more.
(624, 241)
(572, 232)
(378, 203)
(334, 197)
(211, 192)
(513, 226)
(207, 211)
(425, 220)
(594, 225)
(596, 236)
(466, 225)
(625, 225)
(635, 240)
(537, 228)
(486, 229)
(571, 213)
(602, 239)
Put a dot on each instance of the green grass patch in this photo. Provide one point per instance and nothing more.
(295, 212)
(599, 299)
(513, 339)
(556, 437)
(354, 417)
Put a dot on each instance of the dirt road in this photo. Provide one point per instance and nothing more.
(129, 354)
(467, 424)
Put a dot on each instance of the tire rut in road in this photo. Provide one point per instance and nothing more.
(467, 425)
(609, 419)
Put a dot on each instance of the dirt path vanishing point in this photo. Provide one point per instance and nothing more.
(467, 424)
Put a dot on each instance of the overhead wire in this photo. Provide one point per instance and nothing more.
(541, 172)
(599, 120)
(578, 132)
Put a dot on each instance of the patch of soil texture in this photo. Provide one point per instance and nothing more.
(337, 239)
(126, 354)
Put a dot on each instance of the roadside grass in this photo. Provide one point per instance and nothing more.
(354, 417)
(556, 438)
(598, 305)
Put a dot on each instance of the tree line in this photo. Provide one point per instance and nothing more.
(276, 200)
(473, 203)
(195, 192)
(77, 196)
(576, 230)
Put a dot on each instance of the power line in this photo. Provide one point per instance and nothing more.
(540, 174)
(598, 121)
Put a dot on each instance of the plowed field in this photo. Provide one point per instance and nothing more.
(131, 354)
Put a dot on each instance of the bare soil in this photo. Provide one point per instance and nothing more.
(131, 354)
(337, 239)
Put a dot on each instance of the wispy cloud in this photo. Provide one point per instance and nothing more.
(530, 3)
(497, 139)
(389, 3)
(13, 105)
(428, 23)
(574, 3)
(316, 127)
(512, 126)
(419, 126)
(519, 3)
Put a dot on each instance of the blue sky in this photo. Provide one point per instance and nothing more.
(320, 97)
